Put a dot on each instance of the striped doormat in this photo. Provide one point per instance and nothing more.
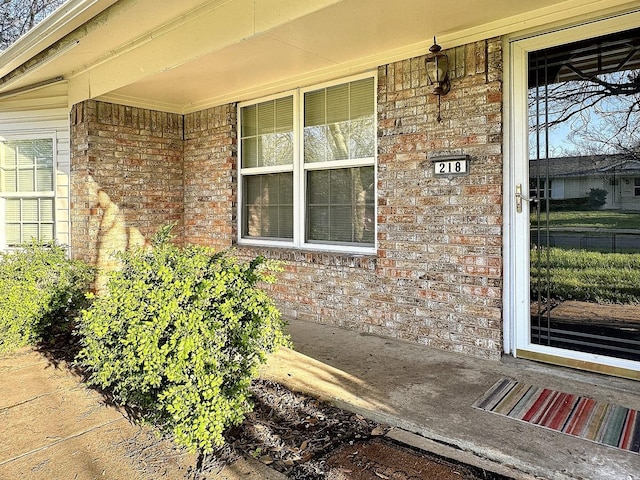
(564, 412)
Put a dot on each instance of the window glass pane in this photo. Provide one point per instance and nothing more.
(340, 122)
(249, 152)
(275, 149)
(315, 144)
(318, 187)
(318, 223)
(10, 181)
(46, 232)
(26, 153)
(266, 118)
(284, 115)
(286, 189)
(26, 181)
(362, 99)
(314, 108)
(13, 234)
(44, 180)
(9, 154)
(362, 139)
(340, 217)
(338, 103)
(12, 210)
(268, 206)
(30, 232)
(267, 133)
(43, 151)
(250, 121)
(29, 210)
(46, 210)
(338, 140)
(341, 210)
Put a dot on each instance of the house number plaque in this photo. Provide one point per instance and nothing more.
(450, 165)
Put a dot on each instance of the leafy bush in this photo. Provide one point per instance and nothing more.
(597, 197)
(40, 288)
(566, 204)
(179, 335)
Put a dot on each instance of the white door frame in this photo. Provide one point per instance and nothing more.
(516, 309)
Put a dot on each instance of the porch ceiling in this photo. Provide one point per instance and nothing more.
(188, 55)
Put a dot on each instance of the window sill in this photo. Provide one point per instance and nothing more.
(318, 257)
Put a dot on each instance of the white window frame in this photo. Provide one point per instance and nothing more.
(299, 169)
(4, 196)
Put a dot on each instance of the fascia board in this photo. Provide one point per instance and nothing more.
(60, 23)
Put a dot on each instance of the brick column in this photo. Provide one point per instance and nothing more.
(126, 177)
(210, 177)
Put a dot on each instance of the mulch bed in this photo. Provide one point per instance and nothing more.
(307, 439)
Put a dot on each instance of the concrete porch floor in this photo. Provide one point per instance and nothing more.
(430, 393)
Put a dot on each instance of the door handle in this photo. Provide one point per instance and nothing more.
(519, 198)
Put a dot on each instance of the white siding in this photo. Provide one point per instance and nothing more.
(43, 112)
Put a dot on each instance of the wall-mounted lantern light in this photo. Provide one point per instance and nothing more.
(437, 65)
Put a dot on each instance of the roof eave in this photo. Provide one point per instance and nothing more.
(71, 15)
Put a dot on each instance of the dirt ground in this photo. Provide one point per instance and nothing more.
(381, 459)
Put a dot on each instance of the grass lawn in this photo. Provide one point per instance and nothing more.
(607, 219)
(587, 276)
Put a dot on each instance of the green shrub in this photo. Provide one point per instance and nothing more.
(597, 197)
(40, 288)
(180, 335)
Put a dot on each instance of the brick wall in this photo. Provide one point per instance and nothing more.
(442, 237)
(210, 177)
(126, 177)
(437, 276)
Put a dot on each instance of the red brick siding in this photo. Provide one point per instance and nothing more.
(436, 278)
(210, 177)
(437, 275)
(442, 237)
(135, 157)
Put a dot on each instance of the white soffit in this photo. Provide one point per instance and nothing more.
(347, 37)
(188, 55)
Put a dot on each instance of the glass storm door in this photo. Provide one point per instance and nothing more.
(583, 196)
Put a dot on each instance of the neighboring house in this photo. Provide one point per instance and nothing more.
(573, 177)
(304, 131)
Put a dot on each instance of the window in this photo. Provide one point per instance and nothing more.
(636, 187)
(307, 168)
(27, 189)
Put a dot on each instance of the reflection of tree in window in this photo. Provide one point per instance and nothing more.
(339, 122)
(340, 126)
(340, 205)
(588, 92)
(268, 206)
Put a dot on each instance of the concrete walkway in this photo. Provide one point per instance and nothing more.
(55, 428)
(430, 393)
